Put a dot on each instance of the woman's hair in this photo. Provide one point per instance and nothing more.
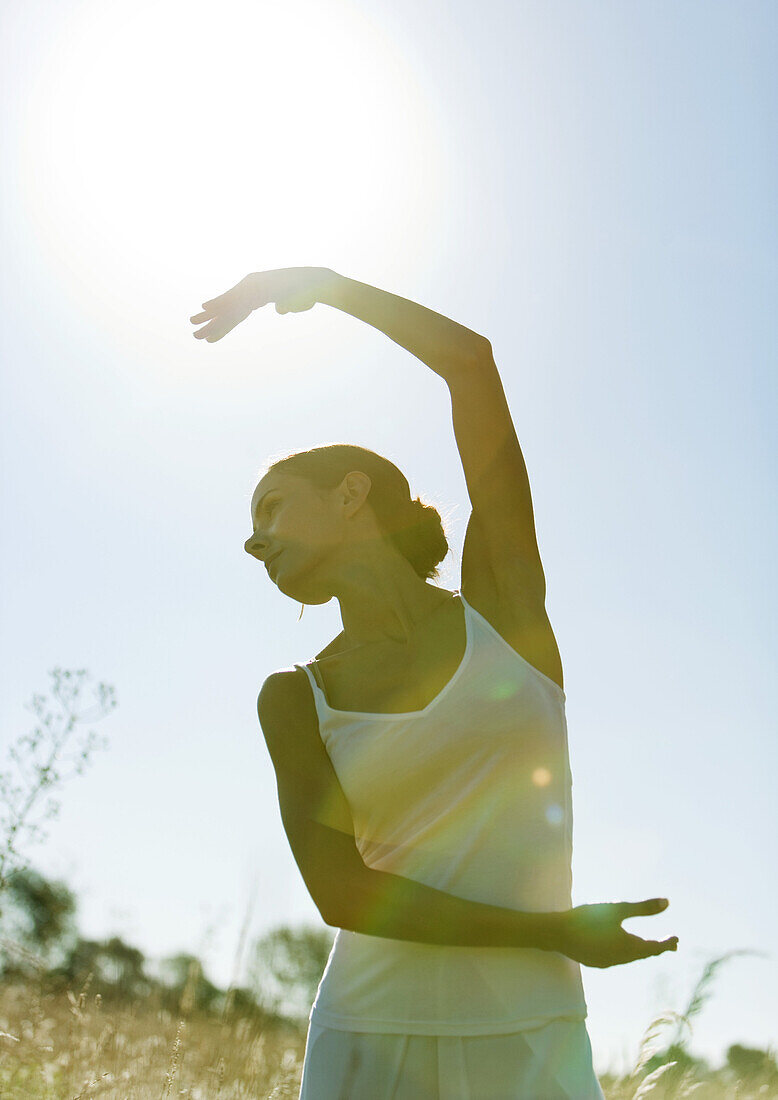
(415, 529)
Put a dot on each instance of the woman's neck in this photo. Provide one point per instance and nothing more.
(384, 602)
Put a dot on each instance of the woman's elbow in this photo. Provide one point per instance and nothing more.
(342, 909)
(333, 908)
(332, 915)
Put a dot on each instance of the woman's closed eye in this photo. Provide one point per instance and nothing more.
(266, 509)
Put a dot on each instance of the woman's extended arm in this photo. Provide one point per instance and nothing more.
(381, 904)
(445, 346)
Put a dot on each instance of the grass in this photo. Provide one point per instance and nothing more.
(74, 1046)
(55, 1046)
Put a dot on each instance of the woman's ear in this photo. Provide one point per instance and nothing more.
(354, 491)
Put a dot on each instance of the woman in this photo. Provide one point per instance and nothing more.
(421, 758)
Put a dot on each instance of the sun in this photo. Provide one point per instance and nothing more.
(168, 138)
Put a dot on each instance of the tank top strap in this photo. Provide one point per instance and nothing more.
(311, 670)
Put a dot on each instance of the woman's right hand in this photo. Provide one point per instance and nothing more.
(593, 936)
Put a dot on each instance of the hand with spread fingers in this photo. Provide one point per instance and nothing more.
(293, 289)
(592, 934)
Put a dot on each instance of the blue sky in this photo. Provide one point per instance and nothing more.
(591, 186)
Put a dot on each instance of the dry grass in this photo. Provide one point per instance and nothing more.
(68, 1046)
(74, 1047)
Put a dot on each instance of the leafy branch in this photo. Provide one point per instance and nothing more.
(41, 761)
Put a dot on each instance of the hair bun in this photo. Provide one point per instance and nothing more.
(422, 539)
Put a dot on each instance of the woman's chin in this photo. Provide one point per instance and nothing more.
(297, 590)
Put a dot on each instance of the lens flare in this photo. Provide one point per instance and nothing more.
(555, 815)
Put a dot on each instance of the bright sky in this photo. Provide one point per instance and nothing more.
(589, 185)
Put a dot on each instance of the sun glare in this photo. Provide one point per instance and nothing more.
(167, 137)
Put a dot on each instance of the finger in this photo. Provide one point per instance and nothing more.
(641, 908)
(220, 327)
(200, 317)
(655, 947)
(646, 948)
(213, 305)
(207, 331)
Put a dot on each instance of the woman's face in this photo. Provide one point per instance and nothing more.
(297, 530)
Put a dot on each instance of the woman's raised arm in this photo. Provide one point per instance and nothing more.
(443, 345)
(497, 483)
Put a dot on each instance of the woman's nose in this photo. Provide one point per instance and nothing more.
(253, 545)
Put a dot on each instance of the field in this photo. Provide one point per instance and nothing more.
(70, 1045)
(55, 1046)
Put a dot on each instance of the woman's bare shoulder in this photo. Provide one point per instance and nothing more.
(281, 691)
(287, 715)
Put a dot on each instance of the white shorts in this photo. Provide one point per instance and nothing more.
(553, 1062)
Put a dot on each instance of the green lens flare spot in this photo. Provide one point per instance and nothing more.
(505, 690)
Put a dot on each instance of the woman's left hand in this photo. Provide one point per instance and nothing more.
(592, 934)
(293, 289)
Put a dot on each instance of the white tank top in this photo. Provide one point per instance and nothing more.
(471, 795)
